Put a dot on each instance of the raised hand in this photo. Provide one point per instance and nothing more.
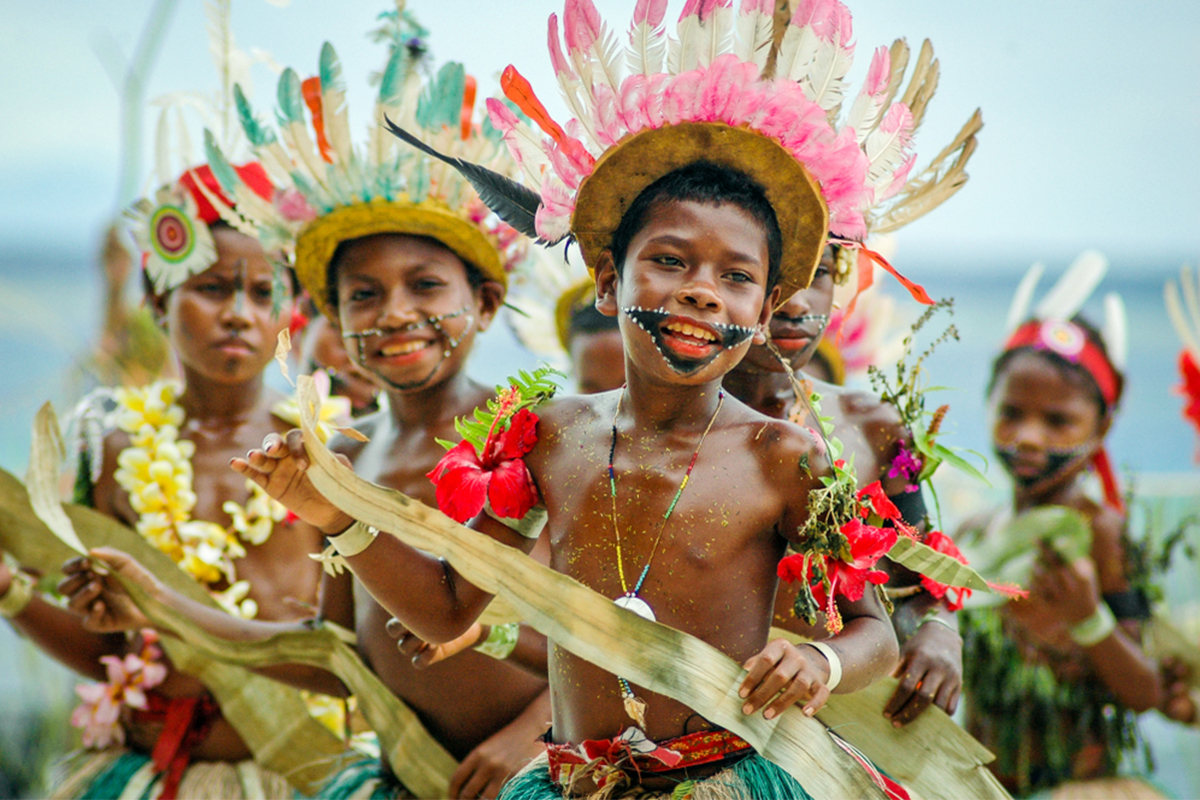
(423, 653)
(1072, 589)
(279, 467)
(98, 596)
(930, 673)
(787, 673)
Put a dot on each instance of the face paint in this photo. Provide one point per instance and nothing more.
(239, 286)
(452, 344)
(652, 320)
(1058, 462)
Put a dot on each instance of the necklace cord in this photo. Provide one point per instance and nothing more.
(612, 482)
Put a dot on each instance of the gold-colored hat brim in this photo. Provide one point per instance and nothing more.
(628, 168)
(570, 301)
(316, 244)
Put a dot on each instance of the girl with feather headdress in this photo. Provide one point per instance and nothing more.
(408, 267)
(1053, 681)
(700, 193)
(153, 457)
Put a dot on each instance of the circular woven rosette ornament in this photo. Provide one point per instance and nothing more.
(175, 241)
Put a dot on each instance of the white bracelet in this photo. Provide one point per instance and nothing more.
(835, 663)
(355, 539)
(1094, 629)
(530, 526)
(18, 596)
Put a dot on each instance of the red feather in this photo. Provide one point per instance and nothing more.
(468, 106)
(517, 89)
(312, 98)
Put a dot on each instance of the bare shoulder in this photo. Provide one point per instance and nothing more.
(787, 452)
(868, 412)
(565, 413)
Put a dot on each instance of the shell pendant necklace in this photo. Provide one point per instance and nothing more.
(635, 707)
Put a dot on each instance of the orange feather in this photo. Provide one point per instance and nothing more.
(468, 106)
(312, 98)
(517, 89)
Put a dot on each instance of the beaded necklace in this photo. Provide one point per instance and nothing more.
(629, 600)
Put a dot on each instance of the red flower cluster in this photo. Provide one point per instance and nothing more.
(848, 578)
(1190, 388)
(465, 481)
(944, 544)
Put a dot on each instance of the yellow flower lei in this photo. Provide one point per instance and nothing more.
(156, 470)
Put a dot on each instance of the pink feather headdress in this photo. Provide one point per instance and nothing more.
(742, 89)
(738, 70)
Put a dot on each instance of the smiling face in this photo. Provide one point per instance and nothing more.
(407, 309)
(1046, 422)
(796, 326)
(692, 289)
(220, 321)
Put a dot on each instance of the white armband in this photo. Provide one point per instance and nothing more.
(354, 540)
(530, 526)
(1094, 629)
(835, 663)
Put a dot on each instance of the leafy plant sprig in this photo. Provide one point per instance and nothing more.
(906, 393)
(523, 391)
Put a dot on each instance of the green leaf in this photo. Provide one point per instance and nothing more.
(936, 566)
(958, 462)
(1009, 554)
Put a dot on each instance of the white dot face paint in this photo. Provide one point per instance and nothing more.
(452, 343)
(686, 344)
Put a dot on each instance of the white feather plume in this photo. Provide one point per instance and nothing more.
(825, 82)
(1186, 324)
(796, 52)
(1074, 287)
(1018, 309)
(1116, 330)
(646, 50)
(715, 34)
(754, 33)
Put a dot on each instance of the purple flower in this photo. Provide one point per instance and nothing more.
(907, 465)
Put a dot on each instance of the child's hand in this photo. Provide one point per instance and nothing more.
(99, 597)
(792, 673)
(279, 469)
(1071, 589)
(930, 673)
(423, 653)
(1178, 701)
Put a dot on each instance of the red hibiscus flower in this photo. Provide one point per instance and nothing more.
(465, 481)
(878, 502)
(1190, 388)
(867, 544)
(874, 500)
(944, 544)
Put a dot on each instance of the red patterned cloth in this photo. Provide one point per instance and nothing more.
(609, 760)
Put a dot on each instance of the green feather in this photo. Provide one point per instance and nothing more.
(391, 85)
(330, 69)
(258, 135)
(290, 98)
(440, 104)
(221, 168)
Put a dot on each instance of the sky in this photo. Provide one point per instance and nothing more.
(1092, 109)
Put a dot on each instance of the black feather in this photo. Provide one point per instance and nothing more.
(512, 202)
